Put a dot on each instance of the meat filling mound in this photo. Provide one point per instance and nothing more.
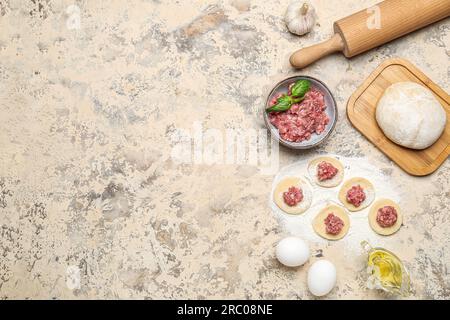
(293, 196)
(356, 195)
(326, 171)
(303, 119)
(386, 216)
(333, 224)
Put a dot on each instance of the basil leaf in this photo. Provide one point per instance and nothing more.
(300, 88)
(283, 104)
(297, 100)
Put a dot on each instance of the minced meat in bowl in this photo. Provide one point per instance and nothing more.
(304, 112)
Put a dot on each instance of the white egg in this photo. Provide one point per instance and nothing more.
(292, 252)
(321, 277)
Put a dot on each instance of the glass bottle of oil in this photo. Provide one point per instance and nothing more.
(386, 271)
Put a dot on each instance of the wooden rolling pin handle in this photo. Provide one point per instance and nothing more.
(304, 57)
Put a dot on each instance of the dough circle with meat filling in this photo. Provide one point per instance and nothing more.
(333, 182)
(367, 187)
(319, 222)
(284, 186)
(373, 217)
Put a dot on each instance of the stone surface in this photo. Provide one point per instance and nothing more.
(92, 203)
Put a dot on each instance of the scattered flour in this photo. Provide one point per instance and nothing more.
(301, 225)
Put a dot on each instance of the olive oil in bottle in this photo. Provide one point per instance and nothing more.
(386, 271)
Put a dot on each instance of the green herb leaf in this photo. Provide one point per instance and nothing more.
(297, 100)
(300, 88)
(283, 104)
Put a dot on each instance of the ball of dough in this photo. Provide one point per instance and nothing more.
(410, 115)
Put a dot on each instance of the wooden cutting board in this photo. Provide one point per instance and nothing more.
(361, 113)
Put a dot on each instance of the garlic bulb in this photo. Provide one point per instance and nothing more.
(300, 17)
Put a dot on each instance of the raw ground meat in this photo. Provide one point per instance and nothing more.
(356, 195)
(386, 216)
(303, 119)
(293, 196)
(333, 224)
(326, 171)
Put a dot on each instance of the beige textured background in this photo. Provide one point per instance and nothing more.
(86, 177)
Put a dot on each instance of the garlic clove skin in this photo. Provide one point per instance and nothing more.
(300, 17)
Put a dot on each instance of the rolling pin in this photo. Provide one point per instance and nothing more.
(360, 32)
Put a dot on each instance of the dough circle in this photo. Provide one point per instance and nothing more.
(369, 190)
(373, 217)
(319, 224)
(410, 115)
(283, 186)
(333, 182)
